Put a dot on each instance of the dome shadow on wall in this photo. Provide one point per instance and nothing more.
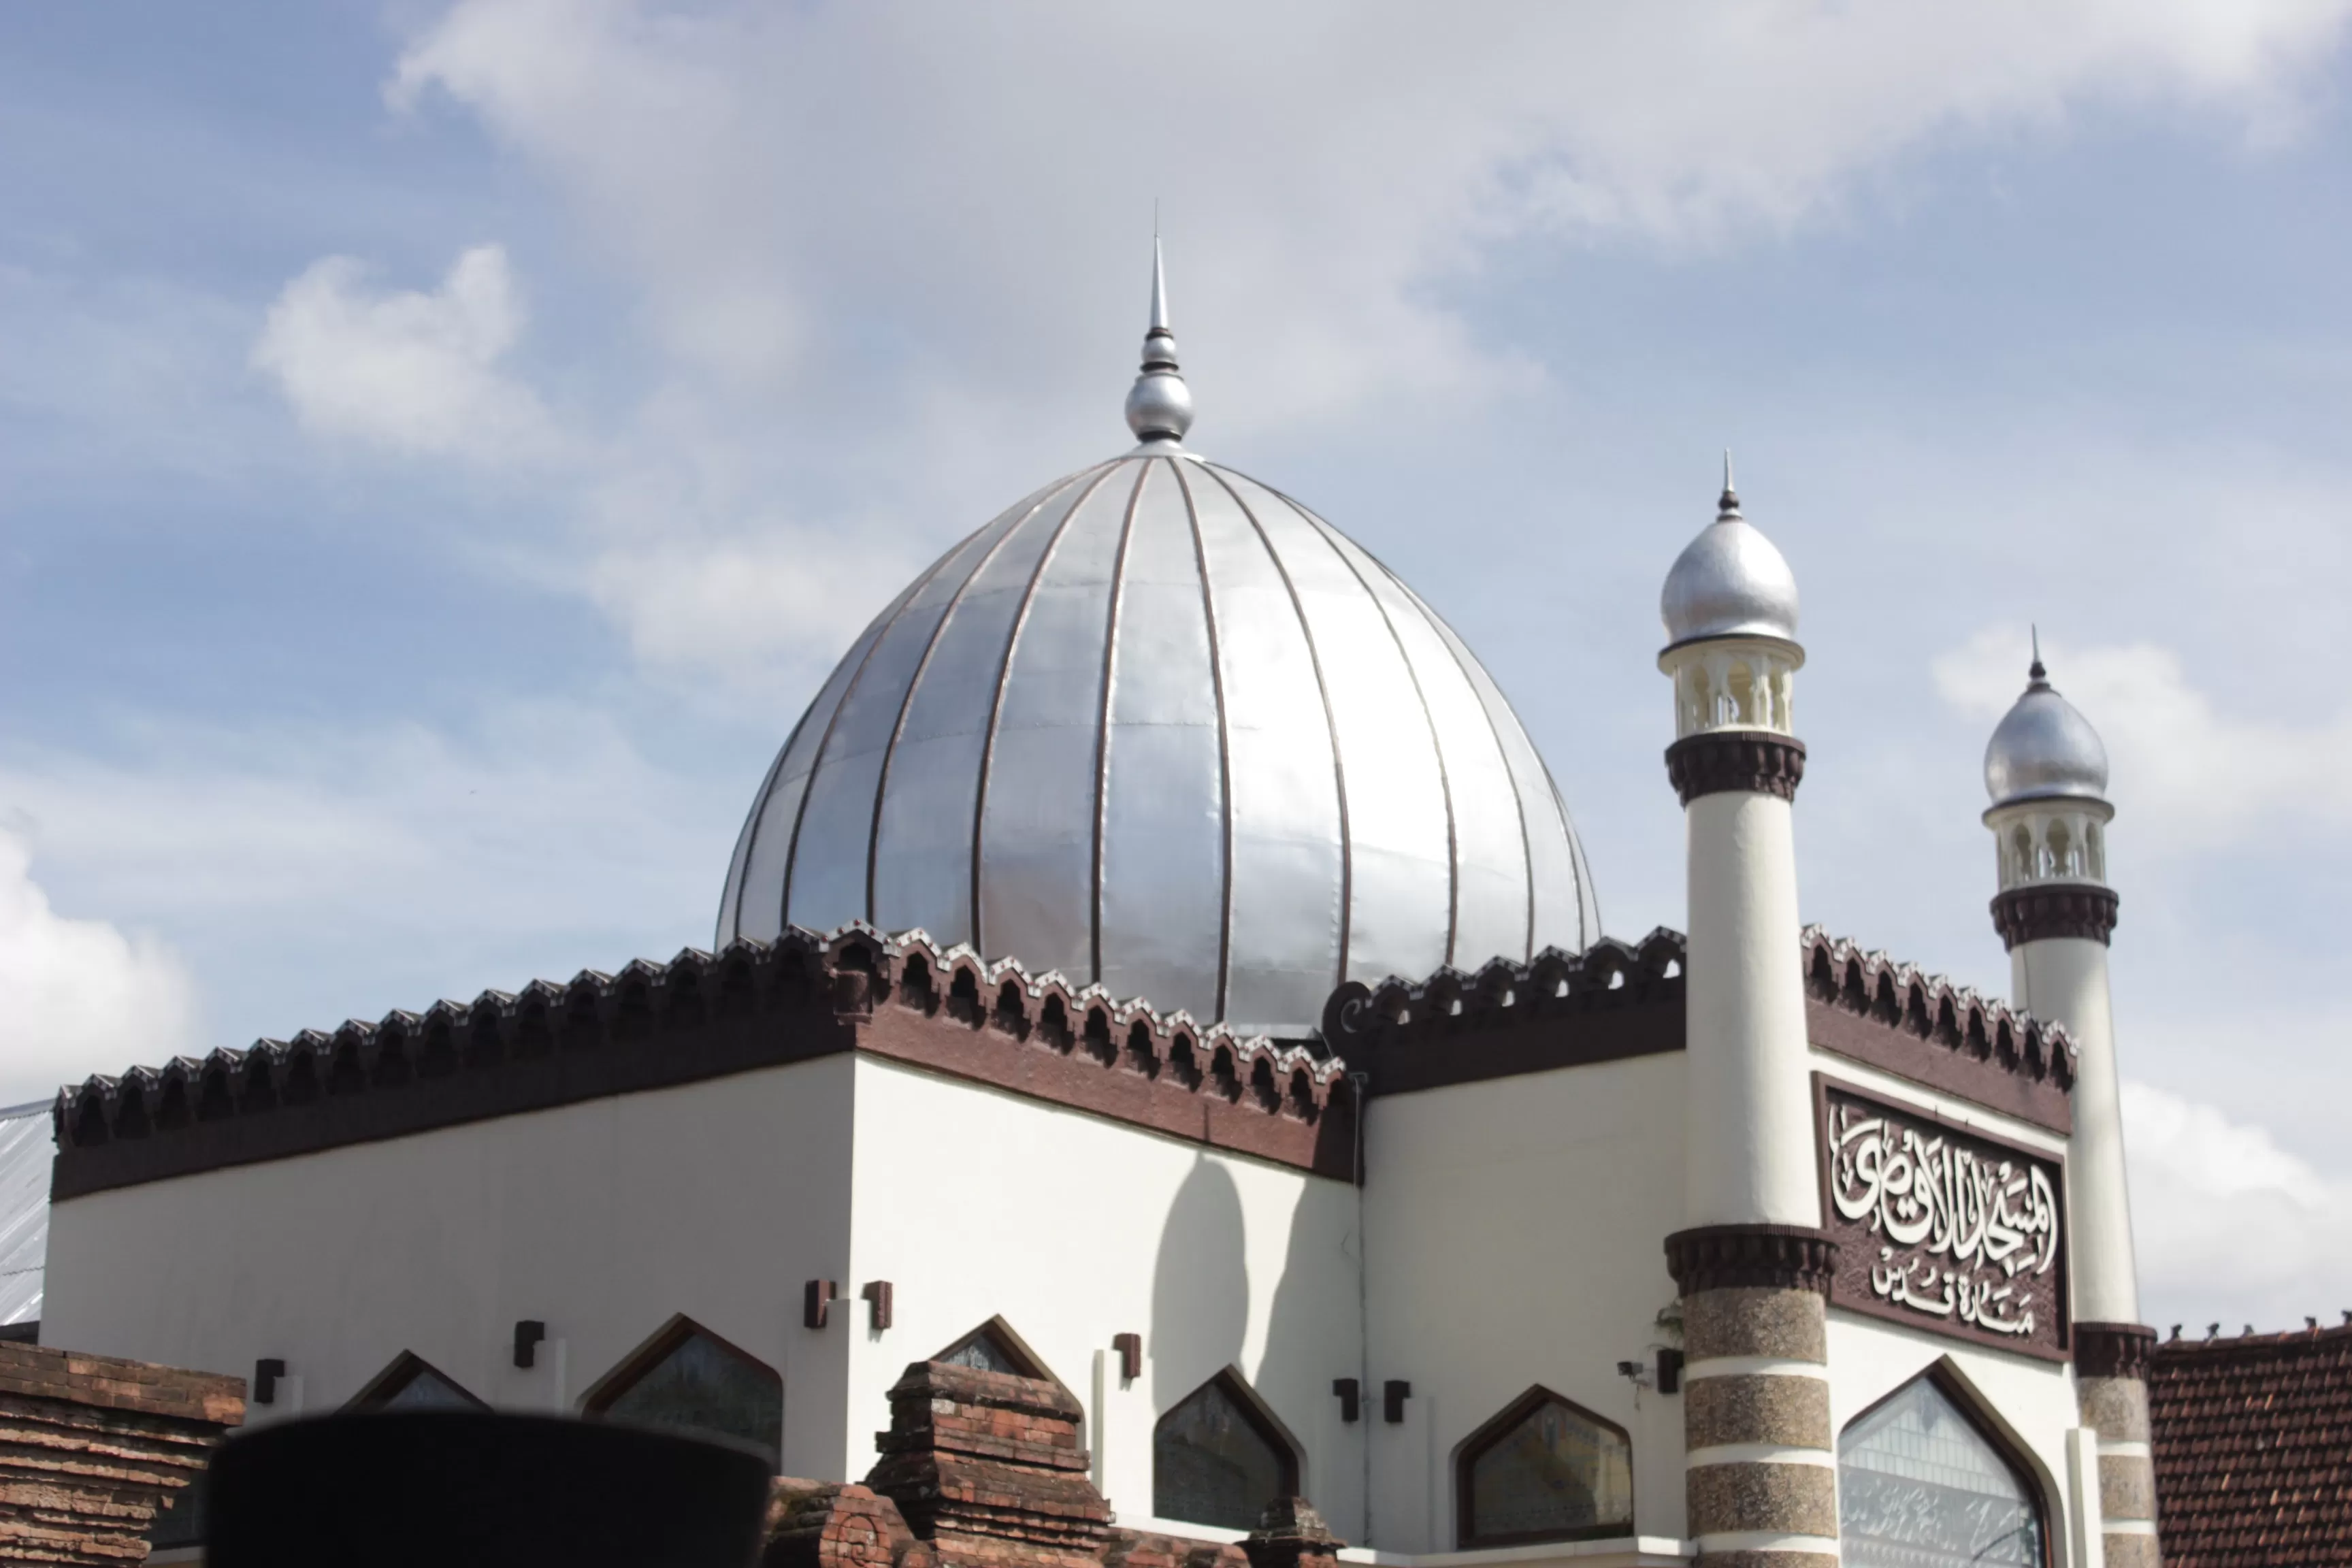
(1160, 728)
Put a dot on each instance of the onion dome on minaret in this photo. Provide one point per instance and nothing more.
(1160, 728)
(1730, 582)
(2043, 749)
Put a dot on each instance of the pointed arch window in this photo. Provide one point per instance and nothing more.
(1546, 1468)
(411, 1383)
(994, 1347)
(1922, 1484)
(687, 1378)
(1219, 1457)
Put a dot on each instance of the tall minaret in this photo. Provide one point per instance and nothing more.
(2047, 774)
(1753, 1266)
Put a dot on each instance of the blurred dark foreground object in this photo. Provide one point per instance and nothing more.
(457, 1489)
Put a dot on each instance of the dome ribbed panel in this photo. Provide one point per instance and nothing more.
(922, 857)
(1565, 913)
(1159, 727)
(1288, 831)
(1491, 915)
(1160, 895)
(829, 853)
(1036, 852)
(1400, 854)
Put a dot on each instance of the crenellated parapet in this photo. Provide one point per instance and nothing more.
(1899, 1017)
(702, 1016)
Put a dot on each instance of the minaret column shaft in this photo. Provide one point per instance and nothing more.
(2057, 935)
(1754, 1268)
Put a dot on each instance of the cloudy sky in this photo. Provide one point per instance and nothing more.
(442, 449)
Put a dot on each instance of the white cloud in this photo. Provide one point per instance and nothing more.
(2229, 1225)
(79, 996)
(312, 873)
(742, 605)
(2197, 777)
(413, 372)
(793, 184)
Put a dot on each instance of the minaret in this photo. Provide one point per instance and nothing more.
(1754, 1266)
(2047, 774)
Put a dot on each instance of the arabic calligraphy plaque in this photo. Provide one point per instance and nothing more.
(1943, 1228)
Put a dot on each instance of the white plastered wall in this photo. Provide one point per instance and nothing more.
(1517, 1230)
(977, 1204)
(601, 1219)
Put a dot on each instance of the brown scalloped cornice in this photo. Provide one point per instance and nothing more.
(2033, 913)
(1739, 1257)
(757, 1005)
(1744, 762)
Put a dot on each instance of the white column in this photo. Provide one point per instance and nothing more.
(1750, 1149)
(2063, 979)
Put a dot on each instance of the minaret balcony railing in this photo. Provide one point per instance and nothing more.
(1733, 683)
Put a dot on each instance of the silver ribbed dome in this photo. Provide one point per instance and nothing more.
(2042, 749)
(1729, 582)
(1162, 728)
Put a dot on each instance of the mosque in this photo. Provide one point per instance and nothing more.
(1159, 963)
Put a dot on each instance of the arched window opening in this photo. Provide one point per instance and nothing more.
(994, 1347)
(2062, 859)
(1220, 1456)
(1544, 1469)
(411, 1383)
(687, 1378)
(2096, 842)
(1921, 1485)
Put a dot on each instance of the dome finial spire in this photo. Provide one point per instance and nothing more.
(2034, 672)
(1728, 506)
(1159, 406)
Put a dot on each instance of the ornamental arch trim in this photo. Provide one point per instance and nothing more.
(405, 1372)
(1020, 1360)
(1487, 1434)
(1290, 1453)
(601, 1397)
(2042, 1488)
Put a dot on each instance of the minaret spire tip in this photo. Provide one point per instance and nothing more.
(1159, 406)
(2034, 672)
(1730, 504)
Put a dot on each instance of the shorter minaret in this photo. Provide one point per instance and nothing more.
(2047, 774)
(1753, 1265)
(1159, 406)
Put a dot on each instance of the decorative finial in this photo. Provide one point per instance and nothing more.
(1159, 406)
(2034, 672)
(1728, 506)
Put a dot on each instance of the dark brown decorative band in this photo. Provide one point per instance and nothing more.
(1737, 1256)
(1727, 761)
(2113, 1350)
(2068, 909)
(755, 1006)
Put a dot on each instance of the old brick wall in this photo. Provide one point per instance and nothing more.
(91, 1447)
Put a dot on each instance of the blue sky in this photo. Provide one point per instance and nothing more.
(441, 447)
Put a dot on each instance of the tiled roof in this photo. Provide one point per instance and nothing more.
(2254, 1449)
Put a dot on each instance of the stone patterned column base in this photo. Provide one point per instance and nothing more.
(1760, 1464)
(2110, 1387)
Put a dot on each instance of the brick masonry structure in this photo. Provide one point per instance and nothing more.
(2253, 1438)
(92, 1449)
(984, 1469)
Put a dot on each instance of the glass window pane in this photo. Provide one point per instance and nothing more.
(1919, 1486)
(701, 1386)
(983, 1352)
(427, 1390)
(1211, 1465)
(1554, 1473)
